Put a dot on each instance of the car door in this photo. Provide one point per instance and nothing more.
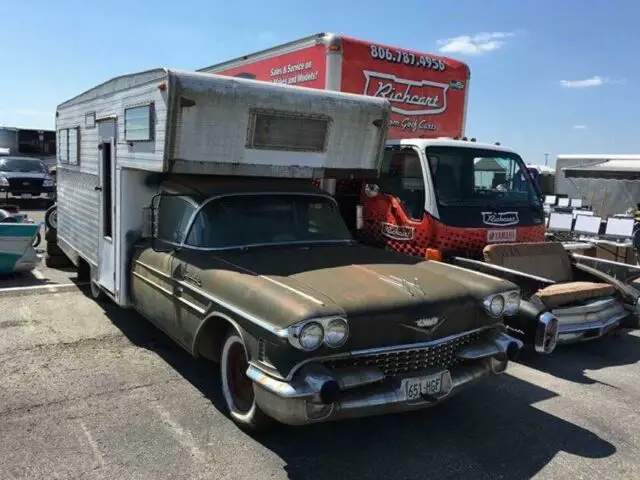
(157, 270)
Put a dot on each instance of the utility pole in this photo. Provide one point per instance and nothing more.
(546, 158)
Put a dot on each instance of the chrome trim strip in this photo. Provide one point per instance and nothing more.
(153, 269)
(238, 311)
(500, 269)
(280, 284)
(282, 333)
(596, 325)
(153, 284)
(599, 304)
(395, 348)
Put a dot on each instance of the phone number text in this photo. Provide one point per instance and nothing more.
(406, 58)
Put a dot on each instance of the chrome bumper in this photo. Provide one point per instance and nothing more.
(35, 196)
(590, 321)
(317, 394)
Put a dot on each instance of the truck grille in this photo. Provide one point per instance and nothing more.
(32, 184)
(410, 360)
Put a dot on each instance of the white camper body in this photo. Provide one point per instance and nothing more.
(114, 138)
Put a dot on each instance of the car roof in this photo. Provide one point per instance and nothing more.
(448, 142)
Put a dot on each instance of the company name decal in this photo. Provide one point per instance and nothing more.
(397, 232)
(500, 219)
(407, 97)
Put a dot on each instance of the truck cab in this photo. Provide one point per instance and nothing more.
(444, 197)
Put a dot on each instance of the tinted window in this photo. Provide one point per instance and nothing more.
(174, 213)
(401, 176)
(468, 176)
(21, 165)
(267, 219)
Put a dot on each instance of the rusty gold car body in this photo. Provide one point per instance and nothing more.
(407, 318)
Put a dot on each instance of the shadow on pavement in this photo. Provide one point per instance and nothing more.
(570, 362)
(492, 430)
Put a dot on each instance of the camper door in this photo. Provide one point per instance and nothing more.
(107, 193)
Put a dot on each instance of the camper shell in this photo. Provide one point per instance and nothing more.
(189, 197)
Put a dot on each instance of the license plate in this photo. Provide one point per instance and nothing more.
(25, 195)
(415, 388)
(497, 236)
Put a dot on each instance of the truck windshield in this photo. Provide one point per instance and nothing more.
(465, 176)
(23, 165)
(237, 221)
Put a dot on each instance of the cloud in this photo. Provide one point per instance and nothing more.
(579, 127)
(595, 81)
(476, 44)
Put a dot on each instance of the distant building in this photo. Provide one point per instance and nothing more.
(29, 142)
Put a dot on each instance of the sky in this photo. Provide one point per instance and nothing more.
(547, 76)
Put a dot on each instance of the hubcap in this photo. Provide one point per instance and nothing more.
(239, 384)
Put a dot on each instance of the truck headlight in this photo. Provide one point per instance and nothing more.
(48, 182)
(512, 303)
(336, 332)
(311, 334)
(494, 305)
(3, 181)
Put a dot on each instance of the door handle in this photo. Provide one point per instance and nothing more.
(97, 189)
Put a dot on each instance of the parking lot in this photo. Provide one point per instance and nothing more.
(92, 391)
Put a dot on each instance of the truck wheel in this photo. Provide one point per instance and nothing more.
(51, 217)
(237, 388)
(96, 291)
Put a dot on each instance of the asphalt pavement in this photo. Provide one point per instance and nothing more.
(93, 391)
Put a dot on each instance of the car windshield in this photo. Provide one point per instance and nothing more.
(247, 220)
(465, 176)
(23, 165)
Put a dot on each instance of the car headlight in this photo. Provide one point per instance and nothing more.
(494, 305)
(3, 181)
(336, 332)
(512, 303)
(48, 182)
(310, 334)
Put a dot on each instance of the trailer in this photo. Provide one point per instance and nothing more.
(189, 197)
(428, 92)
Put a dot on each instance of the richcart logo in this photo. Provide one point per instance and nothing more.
(407, 97)
(397, 232)
(501, 219)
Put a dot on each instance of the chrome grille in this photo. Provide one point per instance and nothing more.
(409, 360)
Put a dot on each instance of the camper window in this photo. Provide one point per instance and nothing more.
(174, 213)
(138, 124)
(73, 146)
(63, 145)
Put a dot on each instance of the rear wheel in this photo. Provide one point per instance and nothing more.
(237, 387)
(51, 217)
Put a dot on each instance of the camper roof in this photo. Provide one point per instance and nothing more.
(211, 124)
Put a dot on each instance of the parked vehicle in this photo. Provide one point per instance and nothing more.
(24, 178)
(19, 235)
(240, 259)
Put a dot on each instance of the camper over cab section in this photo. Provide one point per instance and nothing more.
(428, 93)
(444, 197)
(243, 261)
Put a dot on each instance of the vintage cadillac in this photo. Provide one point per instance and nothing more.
(308, 325)
(243, 261)
(587, 302)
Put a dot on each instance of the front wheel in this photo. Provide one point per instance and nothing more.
(96, 291)
(237, 387)
(51, 217)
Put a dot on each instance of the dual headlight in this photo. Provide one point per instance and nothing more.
(505, 303)
(309, 335)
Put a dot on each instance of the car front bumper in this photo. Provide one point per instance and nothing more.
(318, 394)
(42, 195)
(590, 321)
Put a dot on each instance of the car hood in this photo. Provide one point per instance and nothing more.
(362, 283)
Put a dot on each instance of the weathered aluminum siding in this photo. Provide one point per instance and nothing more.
(214, 130)
(79, 213)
